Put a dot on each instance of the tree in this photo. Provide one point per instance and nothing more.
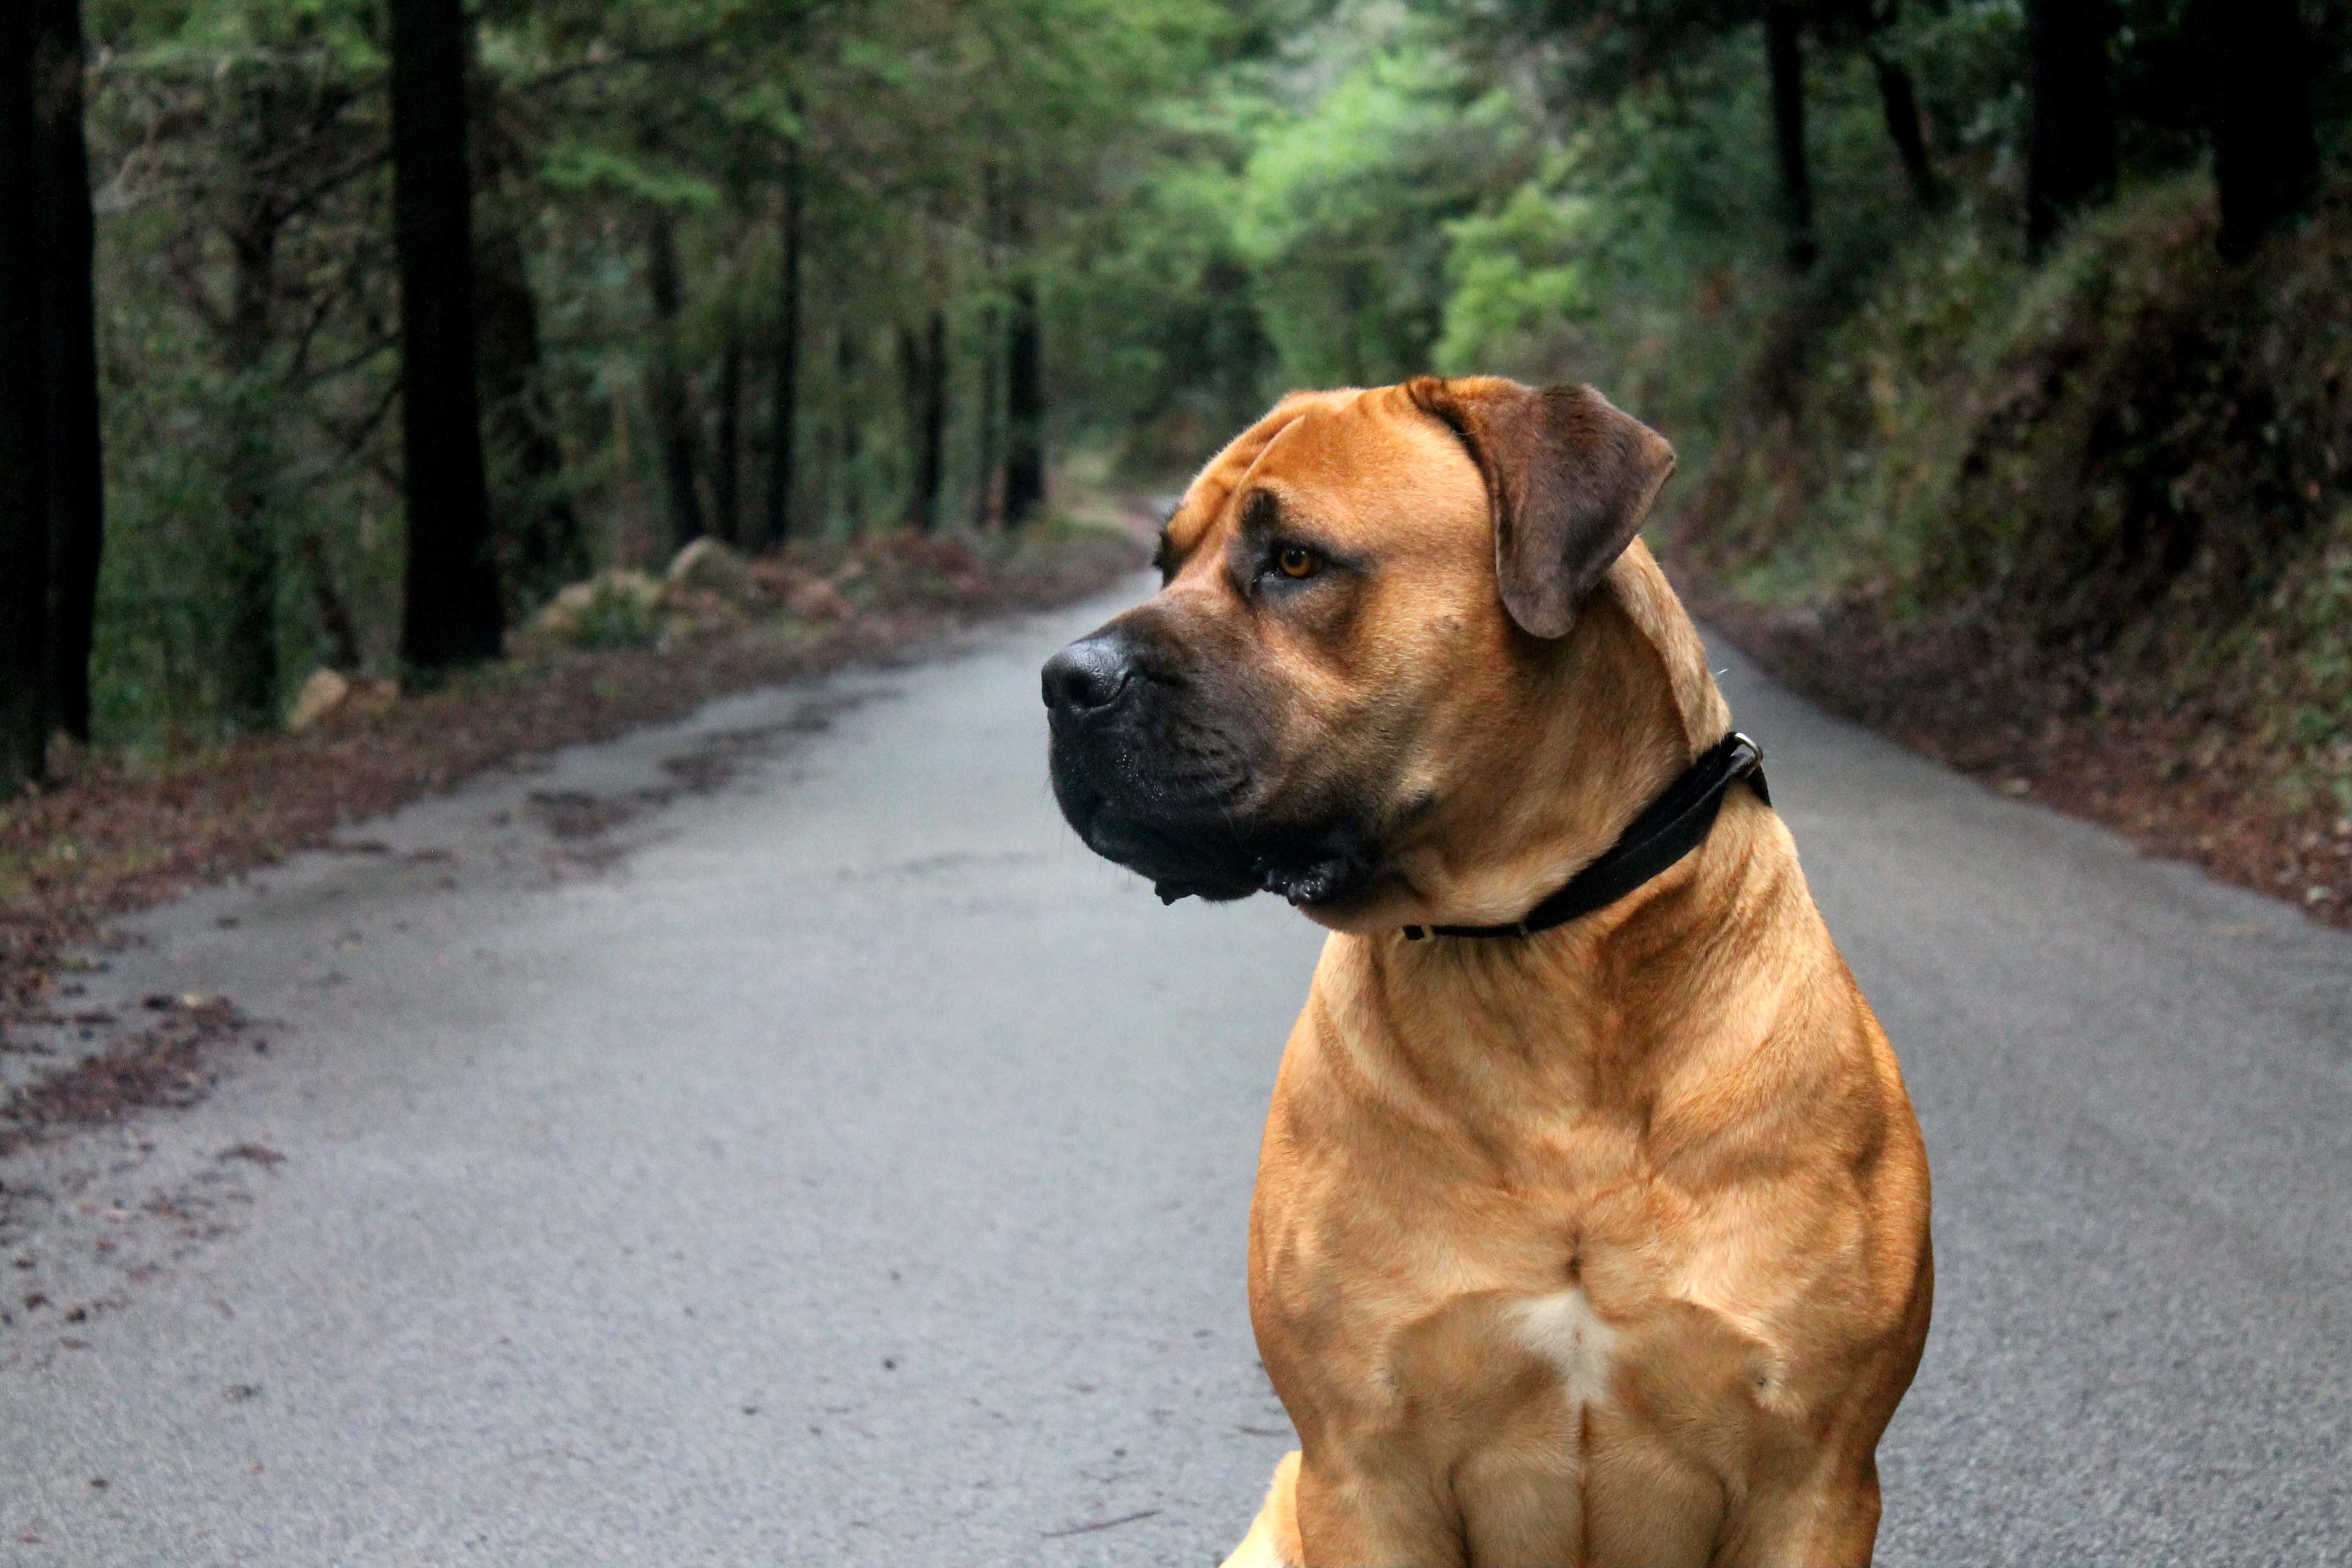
(24, 501)
(784, 392)
(75, 481)
(849, 415)
(451, 613)
(1024, 404)
(2265, 157)
(1784, 58)
(252, 197)
(987, 433)
(923, 369)
(535, 525)
(257, 213)
(726, 459)
(1347, 212)
(1870, 21)
(1900, 104)
(665, 385)
(2069, 157)
(540, 546)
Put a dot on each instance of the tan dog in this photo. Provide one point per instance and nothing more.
(1607, 1245)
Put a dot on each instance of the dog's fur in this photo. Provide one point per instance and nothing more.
(1606, 1245)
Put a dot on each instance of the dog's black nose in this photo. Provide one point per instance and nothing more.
(1088, 677)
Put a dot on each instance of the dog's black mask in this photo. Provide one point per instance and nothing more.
(1153, 764)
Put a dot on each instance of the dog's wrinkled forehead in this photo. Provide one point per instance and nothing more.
(1208, 501)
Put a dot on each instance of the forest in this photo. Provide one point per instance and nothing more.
(2000, 338)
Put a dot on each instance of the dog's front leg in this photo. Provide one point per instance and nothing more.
(1368, 1518)
(1272, 1538)
(1832, 1523)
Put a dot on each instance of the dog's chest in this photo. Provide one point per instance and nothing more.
(1563, 1332)
(1537, 1348)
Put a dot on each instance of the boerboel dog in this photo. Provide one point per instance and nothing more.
(1597, 1241)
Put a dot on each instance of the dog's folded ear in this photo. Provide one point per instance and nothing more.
(1570, 476)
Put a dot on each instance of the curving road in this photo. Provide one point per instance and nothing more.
(774, 1140)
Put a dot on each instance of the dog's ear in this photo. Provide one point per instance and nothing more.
(1570, 476)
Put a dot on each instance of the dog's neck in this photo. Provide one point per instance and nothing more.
(1634, 704)
(1594, 1017)
(1604, 723)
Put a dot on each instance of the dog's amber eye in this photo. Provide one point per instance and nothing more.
(1296, 562)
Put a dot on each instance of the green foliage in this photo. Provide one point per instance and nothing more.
(618, 614)
(249, 292)
(1516, 279)
(1214, 200)
(1344, 208)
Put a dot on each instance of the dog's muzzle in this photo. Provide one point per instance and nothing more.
(1150, 778)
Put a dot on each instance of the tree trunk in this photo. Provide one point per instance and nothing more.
(535, 529)
(1783, 55)
(985, 437)
(923, 363)
(2069, 154)
(335, 623)
(24, 503)
(1025, 407)
(540, 546)
(75, 481)
(665, 382)
(451, 616)
(247, 660)
(1900, 104)
(2265, 157)
(727, 462)
(1238, 346)
(850, 413)
(783, 409)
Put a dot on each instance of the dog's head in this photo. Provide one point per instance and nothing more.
(1373, 614)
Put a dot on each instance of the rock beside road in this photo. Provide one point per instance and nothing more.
(328, 693)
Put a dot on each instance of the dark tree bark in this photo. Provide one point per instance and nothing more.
(1784, 58)
(1238, 347)
(849, 410)
(910, 398)
(673, 410)
(534, 527)
(785, 396)
(1900, 104)
(1898, 99)
(541, 546)
(988, 432)
(75, 482)
(247, 666)
(985, 437)
(451, 616)
(727, 462)
(2069, 154)
(335, 623)
(23, 500)
(922, 363)
(1025, 407)
(2265, 157)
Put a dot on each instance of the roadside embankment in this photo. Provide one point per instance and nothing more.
(2084, 529)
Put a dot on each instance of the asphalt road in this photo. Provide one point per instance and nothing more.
(774, 1140)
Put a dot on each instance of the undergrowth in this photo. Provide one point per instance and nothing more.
(2108, 490)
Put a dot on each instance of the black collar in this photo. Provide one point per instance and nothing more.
(1670, 826)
